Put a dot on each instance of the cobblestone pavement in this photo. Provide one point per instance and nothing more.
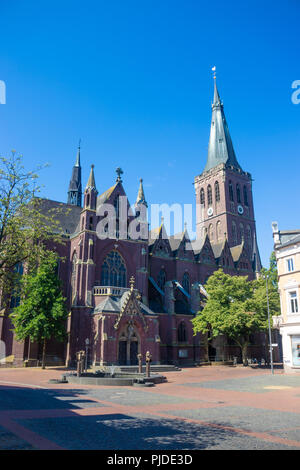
(198, 408)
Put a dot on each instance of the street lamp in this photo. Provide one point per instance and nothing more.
(269, 322)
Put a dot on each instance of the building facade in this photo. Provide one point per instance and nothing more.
(287, 249)
(128, 295)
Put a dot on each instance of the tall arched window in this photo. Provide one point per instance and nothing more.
(234, 233)
(245, 196)
(231, 191)
(181, 333)
(73, 276)
(238, 193)
(202, 197)
(209, 195)
(218, 230)
(242, 236)
(161, 279)
(249, 237)
(186, 282)
(113, 270)
(217, 191)
(211, 232)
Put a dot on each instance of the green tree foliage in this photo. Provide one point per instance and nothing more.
(236, 308)
(42, 312)
(24, 227)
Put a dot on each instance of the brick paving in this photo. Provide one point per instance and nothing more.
(210, 408)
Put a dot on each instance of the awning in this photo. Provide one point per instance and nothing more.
(156, 286)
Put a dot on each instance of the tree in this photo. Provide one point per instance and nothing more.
(24, 226)
(235, 307)
(42, 312)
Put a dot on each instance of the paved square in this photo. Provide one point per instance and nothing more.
(210, 408)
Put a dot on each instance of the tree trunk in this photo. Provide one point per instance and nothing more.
(244, 353)
(44, 355)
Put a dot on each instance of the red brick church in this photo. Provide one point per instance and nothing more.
(132, 295)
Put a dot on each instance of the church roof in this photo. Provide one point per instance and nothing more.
(175, 240)
(67, 215)
(220, 147)
(102, 198)
(218, 248)
(236, 251)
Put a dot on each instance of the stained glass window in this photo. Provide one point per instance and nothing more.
(113, 270)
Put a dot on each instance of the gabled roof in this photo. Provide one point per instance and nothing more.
(236, 251)
(205, 253)
(176, 240)
(102, 198)
(158, 236)
(218, 248)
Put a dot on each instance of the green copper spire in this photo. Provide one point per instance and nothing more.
(220, 148)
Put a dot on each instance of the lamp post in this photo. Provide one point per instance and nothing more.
(269, 322)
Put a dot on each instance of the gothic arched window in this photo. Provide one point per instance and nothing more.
(209, 195)
(161, 279)
(186, 282)
(234, 233)
(217, 191)
(231, 191)
(245, 196)
(181, 333)
(202, 197)
(249, 237)
(113, 270)
(238, 193)
(73, 276)
(241, 232)
(211, 232)
(218, 230)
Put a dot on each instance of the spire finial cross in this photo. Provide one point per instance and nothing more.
(119, 172)
(214, 69)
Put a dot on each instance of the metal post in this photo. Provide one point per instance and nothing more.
(270, 335)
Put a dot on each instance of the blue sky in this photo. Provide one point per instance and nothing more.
(133, 80)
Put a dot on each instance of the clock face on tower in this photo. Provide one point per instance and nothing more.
(240, 210)
(210, 211)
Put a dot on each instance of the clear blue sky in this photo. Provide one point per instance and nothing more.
(133, 80)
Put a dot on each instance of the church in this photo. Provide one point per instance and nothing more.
(127, 296)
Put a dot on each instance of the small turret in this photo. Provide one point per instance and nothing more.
(90, 192)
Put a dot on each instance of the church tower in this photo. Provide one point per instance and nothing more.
(223, 190)
(75, 189)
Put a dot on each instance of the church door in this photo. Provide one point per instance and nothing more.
(123, 353)
(133, 353)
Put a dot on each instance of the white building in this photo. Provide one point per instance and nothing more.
(287, 250)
